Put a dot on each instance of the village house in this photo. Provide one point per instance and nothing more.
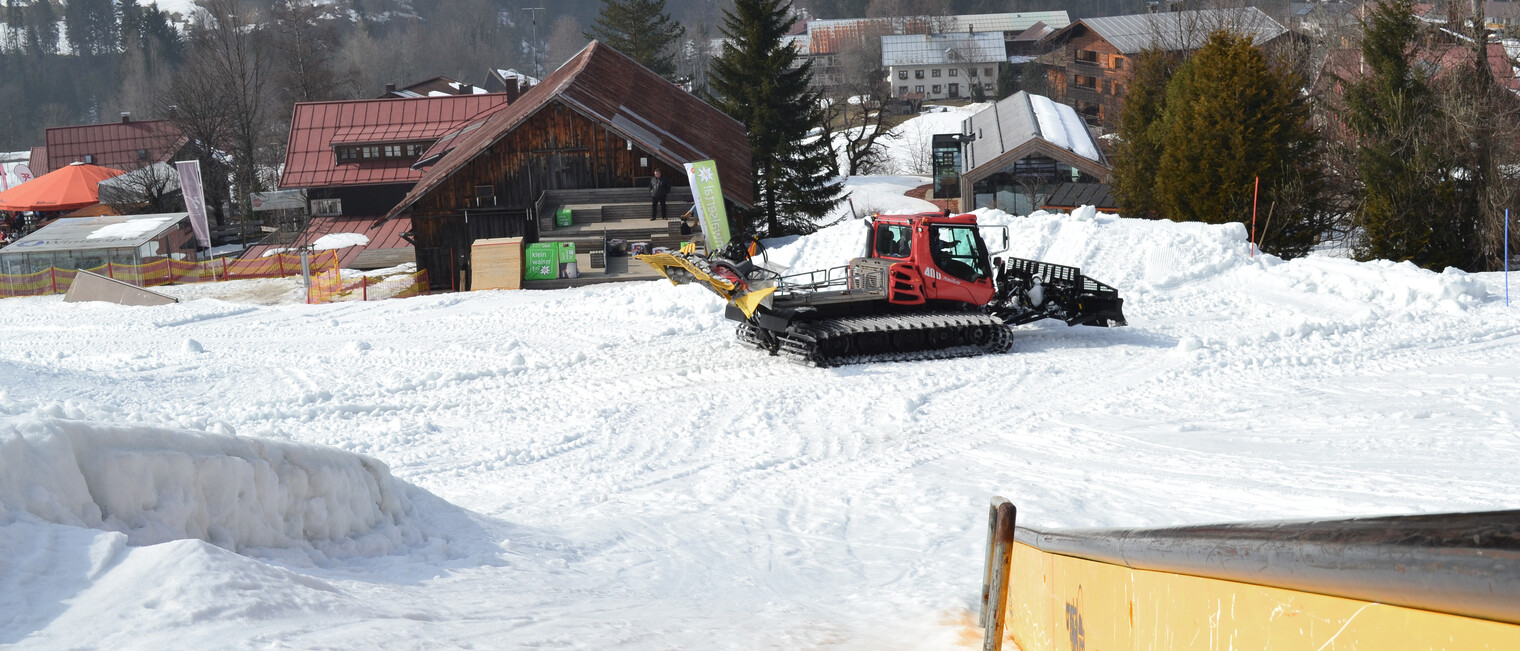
(942, 66)
(353, 160)
(1014, 155)
(824, 41)
(126, 144)
(1090, 67)
(582, 144)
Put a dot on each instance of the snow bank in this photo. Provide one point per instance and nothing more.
(339, 240)
(1142, 255)
(157, 485)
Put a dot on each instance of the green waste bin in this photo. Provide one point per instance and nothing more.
(563, 218)
(542, 261)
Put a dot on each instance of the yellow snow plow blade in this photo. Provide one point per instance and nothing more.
(679, 271)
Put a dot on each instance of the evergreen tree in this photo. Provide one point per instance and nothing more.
(1408, 190)
(642, 30)
(1232, 118)
(755, 81)
(1141, 127)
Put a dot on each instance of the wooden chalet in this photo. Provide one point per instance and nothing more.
(1090, 67)
(354, 160)
(599, 123)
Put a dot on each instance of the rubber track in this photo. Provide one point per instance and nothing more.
(803, 342)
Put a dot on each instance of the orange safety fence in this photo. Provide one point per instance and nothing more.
(330, 288)
(324, 287)
(54, 280)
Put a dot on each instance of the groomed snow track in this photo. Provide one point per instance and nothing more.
(886, 338)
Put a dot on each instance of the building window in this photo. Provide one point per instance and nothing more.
(936, 89)
(1085, 81)
(1087, 56)
(972, 72)
(986, 72)
(918, 89)
(1118, 63)
(987, 87)
(935, 73)
(89, 159)
(142, 154)
(1119, 90)
(326, 207)
(396, 151)
(902, 90)
(952, 72)
(902, 74)
(918, 74)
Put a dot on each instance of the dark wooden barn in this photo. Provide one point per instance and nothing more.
(600, 121)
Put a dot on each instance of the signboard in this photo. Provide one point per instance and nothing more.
(708, 195)
(281, 200)
(195, 199)
(14, 174)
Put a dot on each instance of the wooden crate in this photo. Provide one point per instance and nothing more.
(496, 263)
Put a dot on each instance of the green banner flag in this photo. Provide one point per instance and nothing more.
(708, 196)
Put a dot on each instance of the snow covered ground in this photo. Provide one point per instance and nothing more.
(605, 467)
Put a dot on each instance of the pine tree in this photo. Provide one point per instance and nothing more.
(755, 81)
(642, 30)
(1138, 153)
(1408, 187)
(1232, 118)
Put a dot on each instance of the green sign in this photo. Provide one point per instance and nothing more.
(563, 217)
(708, 196)
(542, 261)
(549, 260)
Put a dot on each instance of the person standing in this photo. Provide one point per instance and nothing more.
(658, 188)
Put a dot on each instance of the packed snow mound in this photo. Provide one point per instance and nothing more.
(339, 241)
(156, 485)
(1143, 256)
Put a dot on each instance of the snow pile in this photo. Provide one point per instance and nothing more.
(1142, 256)
(339, 240)
(156, 485)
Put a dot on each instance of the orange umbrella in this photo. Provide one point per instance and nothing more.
(69, 187)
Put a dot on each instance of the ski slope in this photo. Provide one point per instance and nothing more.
(606, 468)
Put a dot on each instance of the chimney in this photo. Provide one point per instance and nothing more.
(465, 88)
(173, 111)
(390, 88)
(126, 117)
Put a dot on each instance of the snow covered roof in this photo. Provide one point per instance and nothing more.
(1176, 30)
(939, 49)
(827, 36)
(1020, 119)
(104, 232)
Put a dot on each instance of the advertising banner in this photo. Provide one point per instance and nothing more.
(708, 195)
(195, 199)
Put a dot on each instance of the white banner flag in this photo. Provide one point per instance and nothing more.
(195, 199)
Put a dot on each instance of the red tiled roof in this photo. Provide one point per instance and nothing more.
(38, 162)
(628, 99)
(114, 144)
(1346, 63)
(310, 161)
(388, 236)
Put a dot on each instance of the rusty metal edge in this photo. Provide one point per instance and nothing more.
(1393, 560)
